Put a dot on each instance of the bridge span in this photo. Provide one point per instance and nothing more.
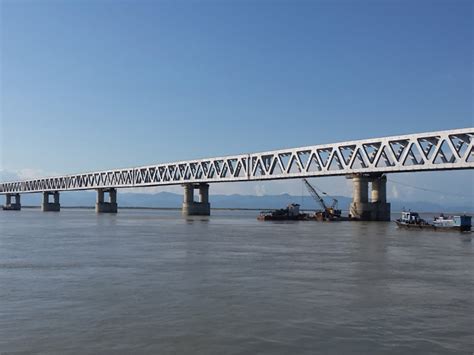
(365, 161)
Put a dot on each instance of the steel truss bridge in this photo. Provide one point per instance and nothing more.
(442, 150)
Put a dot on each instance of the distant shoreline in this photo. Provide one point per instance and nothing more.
(224, 209)
(153, 208)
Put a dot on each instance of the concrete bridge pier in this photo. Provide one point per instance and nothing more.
(12, 206)
(103, 206)
(48, 206)
(377, 209)
(381, 209)
(360, 206)
(193, 208)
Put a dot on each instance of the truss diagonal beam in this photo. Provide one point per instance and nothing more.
(443, 150)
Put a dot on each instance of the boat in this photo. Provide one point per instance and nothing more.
(290, 213)
(412, 220)
(325, 216)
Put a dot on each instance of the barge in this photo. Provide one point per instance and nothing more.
(290, 213)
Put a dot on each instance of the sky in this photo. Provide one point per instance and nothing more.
(93, 85)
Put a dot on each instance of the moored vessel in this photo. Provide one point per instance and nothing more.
(412, 220)
(290, 213)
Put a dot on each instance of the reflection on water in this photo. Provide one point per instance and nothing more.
(148, 281)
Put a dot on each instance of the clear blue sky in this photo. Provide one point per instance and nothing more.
(102, 84)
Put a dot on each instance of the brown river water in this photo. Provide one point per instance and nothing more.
(153, 282)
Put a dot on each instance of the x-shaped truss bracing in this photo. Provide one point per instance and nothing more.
(444, 150)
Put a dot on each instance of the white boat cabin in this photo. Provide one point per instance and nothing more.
(452, 221)
(410, 217)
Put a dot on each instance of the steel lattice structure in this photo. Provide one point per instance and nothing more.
(443, 150)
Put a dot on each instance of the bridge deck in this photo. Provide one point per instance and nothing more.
(442, 150)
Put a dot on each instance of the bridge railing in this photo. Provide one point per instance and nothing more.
(443, 150)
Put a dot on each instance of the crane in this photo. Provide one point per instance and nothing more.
(328, 212)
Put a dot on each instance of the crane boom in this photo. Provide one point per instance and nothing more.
(315, 194)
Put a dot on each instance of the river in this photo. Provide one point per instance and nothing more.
(149, 281)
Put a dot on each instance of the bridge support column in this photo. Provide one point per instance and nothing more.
(48, 206)
(360, 206)
(12, 206)
(381, 209)
(376, 210)
(192, 208)
(103, 206)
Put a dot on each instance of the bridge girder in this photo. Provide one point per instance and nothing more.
(442, 150)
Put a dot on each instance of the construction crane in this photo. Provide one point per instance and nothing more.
(328, 212)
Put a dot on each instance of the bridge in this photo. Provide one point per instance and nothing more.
(364, 161)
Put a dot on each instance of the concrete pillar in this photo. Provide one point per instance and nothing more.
(48, 206)
(360, 188)
(113, 197)
(380, 207)
(188, 193)
(12, 206)
(204, 193)
(192, 208)
(360, 207)
(379, 189)
(100, 196)
(377, 209)
(103, 206)
(375, 194)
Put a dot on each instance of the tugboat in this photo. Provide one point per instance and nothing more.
(291, 213)
(412, 220)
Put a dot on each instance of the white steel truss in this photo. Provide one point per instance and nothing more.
(444, 150)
